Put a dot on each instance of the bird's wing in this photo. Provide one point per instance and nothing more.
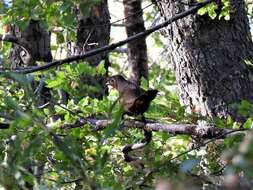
(129, 96)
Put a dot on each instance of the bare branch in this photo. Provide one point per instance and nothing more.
(203, 132)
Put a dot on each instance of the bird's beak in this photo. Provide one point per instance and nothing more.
(109, 86)
(107, 82)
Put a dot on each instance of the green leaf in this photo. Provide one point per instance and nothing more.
(101, 68)
(212, 13)
(144, 83)
(231, 141)
(59, 38)
(202, 11)
(227, 17)
(85, 9)
(10, 102)
(84, 68)
(110, 130)
(55, 83)
(248, 124)
(66, 5)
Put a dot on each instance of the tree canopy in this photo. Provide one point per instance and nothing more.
(56, 135)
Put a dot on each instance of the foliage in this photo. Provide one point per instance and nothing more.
(36, 150)
(213, 10)
(53, 13)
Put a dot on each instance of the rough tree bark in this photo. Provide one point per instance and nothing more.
(208, 57)
(37, 48)
(39, 45)
(93, 31)
(136, 50)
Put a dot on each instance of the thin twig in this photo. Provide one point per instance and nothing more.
(201, 145)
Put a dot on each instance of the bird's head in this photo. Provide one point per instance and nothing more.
(116, 81)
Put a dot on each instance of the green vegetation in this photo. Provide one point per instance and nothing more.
(81, 158)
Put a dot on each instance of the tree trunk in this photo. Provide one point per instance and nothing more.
(38, 40)
(208, 58)
(137, 50)
(93, 31)
(39, 43)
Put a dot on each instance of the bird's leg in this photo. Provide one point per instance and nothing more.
(130, 147)
(147, 133)
(121, 124)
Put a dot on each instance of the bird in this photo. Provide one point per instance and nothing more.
(133, 99)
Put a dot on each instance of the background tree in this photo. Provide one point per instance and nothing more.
(93, 31)
(211, 73)
(39, 45)
(136, 50)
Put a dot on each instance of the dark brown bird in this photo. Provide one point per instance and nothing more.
(134, 100)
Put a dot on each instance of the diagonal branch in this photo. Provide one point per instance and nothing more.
(113, 46)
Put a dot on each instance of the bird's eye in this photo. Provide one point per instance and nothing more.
(112, 81)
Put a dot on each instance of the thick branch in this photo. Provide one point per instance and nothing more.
(203, 132)
(113, 46)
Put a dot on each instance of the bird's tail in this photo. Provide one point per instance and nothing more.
(148, 95)
(142, 102)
